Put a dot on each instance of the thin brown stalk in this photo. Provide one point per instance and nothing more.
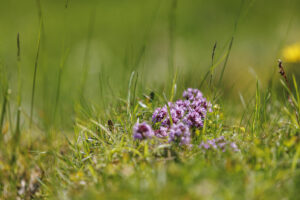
(283, 74)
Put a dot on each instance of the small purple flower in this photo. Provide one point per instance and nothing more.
(142, 131)
(234, 146)
(185, 141)
(183, 104)
(222, 145)
(159, 114)
(204, 145)
(181, 133)
(218, 143)
(192, 94)
(193, 119)
(199, 106)
(220, 139)
(162, 132)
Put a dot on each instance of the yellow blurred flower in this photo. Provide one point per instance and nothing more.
(291, 53)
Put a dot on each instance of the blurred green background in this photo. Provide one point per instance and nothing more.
(108, 39)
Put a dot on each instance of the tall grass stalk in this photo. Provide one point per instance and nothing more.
(231, 41)
(4, 87)
(212, 64)
(40, 16)
(211, 68)
(174, 87)
(172, 28)
(17, 132)
(3, 111)
(85, 64)
(65, 53)
(9, 112)
(134, 91)
(61, 67)
(147, 35)
(226, 60)
(257, 109)
(35, 74)
(101, 86)
(129, 94)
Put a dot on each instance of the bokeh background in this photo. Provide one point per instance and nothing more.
(101, 42)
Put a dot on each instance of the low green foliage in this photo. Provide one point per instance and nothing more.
(85, 72)
(103, 161)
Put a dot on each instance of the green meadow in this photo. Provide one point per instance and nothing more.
(95, 100)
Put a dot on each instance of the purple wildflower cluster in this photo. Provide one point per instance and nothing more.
(185, 114)
(218, 143)
(191, 111)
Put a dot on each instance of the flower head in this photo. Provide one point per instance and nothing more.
(192, 94)
(181, 133)
(218, 143)
(193, 119)
(162, 132)
(159, 114)
(142, 131)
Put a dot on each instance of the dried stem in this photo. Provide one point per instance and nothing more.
(283, 74)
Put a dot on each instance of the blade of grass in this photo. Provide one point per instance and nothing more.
(103, 128)
(4, 87)
(129, 94)
(212, 63)
(296, 158)
(3, 111)
(231, 42)
(41, 20)
(134, 92)
(256, 110)
(172, 28)
(17, 132)
(61, 67)
(85, 64)
(174, 87)
(35, 74)
(211, 68)
(9, 115)
(226, 60)
(101, 91)
(297, 93)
